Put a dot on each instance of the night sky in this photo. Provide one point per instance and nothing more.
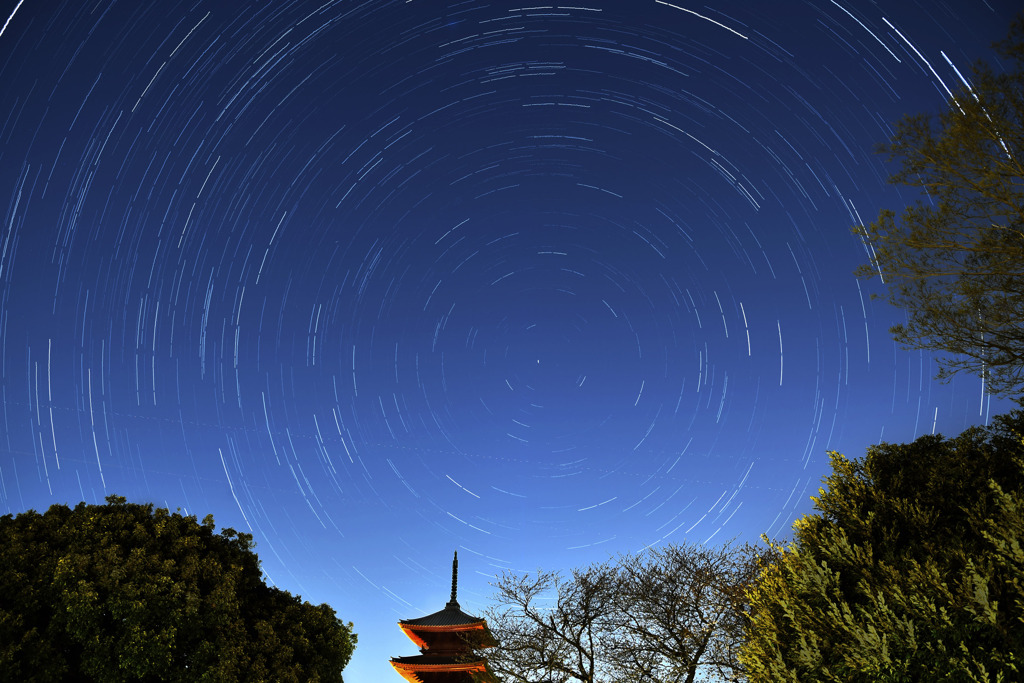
(380, 280)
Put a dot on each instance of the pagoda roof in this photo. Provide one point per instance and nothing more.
(434, 661)
(451, 615)
(415, 667)
(450, 619)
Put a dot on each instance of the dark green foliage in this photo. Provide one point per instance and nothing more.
(953, 260)
(123, 592)
(912, 570)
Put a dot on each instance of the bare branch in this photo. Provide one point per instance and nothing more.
(670, 614)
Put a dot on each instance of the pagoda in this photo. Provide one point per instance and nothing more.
(447, 640)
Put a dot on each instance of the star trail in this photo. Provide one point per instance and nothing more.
(375, 280)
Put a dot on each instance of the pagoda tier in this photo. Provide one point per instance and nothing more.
(432, 669)
(447, 640)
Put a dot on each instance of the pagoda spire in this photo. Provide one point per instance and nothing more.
(449, 641)
(453, 603)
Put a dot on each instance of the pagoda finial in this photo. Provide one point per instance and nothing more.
(455, 582)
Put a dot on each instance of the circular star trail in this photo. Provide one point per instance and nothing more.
(376, 280)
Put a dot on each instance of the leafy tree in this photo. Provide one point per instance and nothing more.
(912, 569)
(953, 261)
(123, 592)
(666, 615)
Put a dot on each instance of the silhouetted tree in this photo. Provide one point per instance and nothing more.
(553, 629)
(680, 613)
(667, 615)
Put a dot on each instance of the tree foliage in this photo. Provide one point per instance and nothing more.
(953, 260)
(912, 569)
(667, 615)
(123, 592)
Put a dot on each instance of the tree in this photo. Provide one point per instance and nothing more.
(681, 613)
(953, 261)
(912, 569)
(669, 614)
(123, 592)
(555, 643)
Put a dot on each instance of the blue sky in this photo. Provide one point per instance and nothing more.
(378, 280)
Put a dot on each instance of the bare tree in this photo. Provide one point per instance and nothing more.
(681, 612)
(551, 629)
(666, 615)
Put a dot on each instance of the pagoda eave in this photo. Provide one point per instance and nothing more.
(411, 630)
(411, 671)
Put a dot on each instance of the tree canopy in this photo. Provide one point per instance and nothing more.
(123, 592)
(667, 615)
(911, 570)
(953, 258)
